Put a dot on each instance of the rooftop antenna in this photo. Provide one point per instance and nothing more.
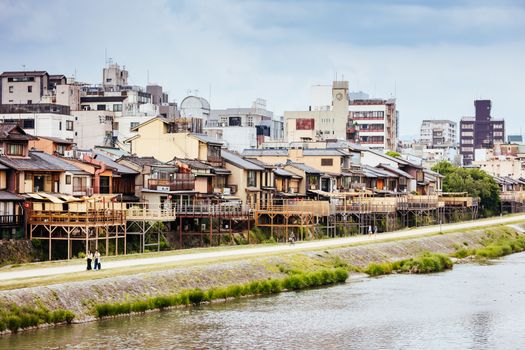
(24, 67)
(106, 56)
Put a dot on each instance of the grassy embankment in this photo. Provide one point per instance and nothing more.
(498, 243)
(295, 281)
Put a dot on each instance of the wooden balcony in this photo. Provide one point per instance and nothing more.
(182, 182)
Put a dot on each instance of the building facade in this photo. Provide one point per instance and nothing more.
(480, 132)
(438, 133)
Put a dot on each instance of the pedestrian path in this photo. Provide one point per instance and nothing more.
(254, 251)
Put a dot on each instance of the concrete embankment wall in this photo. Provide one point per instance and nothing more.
(80, 297)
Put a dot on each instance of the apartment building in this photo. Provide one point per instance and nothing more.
(480, 132)
(438, 133)
(242, 128)
(367, 121)
(374, 122)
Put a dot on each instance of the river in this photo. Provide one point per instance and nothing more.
(471, 307)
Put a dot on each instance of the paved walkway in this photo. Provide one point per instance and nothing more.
(254, 251)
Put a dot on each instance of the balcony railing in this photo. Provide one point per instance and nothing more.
(182, 182)
(8, 220)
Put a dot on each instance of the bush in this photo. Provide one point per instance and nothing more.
(140, 306)
(13, 323)
(378, 269)
(196, 296)
(3, 325)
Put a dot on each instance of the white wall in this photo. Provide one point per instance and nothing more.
(46, 124)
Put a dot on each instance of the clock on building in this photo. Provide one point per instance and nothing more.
(339, 96)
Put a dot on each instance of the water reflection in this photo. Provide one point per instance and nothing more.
(472, 307)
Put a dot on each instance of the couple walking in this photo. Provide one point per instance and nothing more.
(90, 256)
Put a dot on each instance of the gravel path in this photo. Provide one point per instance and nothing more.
(255, 251)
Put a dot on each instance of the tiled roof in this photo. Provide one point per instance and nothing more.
(8, 196)
(119, 167)
(59, 163)
(396, 171)
(237, 160)
(7, 128)
(207, 139)
(141, 160)
(33, 162)
(56, 140)
(305, 168)
(264, 152)
(282, 172)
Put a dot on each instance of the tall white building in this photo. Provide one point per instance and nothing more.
(438, 133)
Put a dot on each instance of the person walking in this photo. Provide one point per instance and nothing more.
(291, 238)
(369, 229)
(89, 258)
(97, 260)
(375, 229)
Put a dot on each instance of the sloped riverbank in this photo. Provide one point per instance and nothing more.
(83, 298)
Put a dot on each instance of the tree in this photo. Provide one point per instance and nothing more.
(475, 182)
(393, 154)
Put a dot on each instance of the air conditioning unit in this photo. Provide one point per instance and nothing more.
(89, 191)
(69, 154)
(163, 188)
(203, 227)
(226, 191)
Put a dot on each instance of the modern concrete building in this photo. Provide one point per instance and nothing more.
(480, 132)
(370, 122)
(321, 121)
(242, 128)
(438, 133)
(374, 122)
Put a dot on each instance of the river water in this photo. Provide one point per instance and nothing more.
(471, 307)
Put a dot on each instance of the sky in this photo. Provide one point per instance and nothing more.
(435, 57)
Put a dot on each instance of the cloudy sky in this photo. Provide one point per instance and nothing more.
(436, 57)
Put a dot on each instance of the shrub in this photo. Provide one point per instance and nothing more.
(28, 320)
(378, 269)
(13, 323)
(341, 275)
(140, 306)
(3, 325)
(161, 302)
(196, 296)
(69, 316)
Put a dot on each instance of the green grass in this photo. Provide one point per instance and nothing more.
(424, 263)
(15, 318)
(197, 296)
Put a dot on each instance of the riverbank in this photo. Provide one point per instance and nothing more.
(82, 298)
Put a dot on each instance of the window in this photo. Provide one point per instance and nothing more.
(108, 80)
(29, 102)
(60, 149)
(28, 123)
(59, 125)
(101, 107)
(252, 182)
(14, 149)
(133, 125)
(11, 87)
(30, 88)
(117, 107)
(327, 162)
(69, 125)
(68, 179)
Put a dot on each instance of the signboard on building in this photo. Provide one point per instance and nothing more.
(304, 124)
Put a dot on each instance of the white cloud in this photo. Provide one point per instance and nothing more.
(267, 49)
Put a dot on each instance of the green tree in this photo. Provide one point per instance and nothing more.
(393, 154)
(475, 182)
